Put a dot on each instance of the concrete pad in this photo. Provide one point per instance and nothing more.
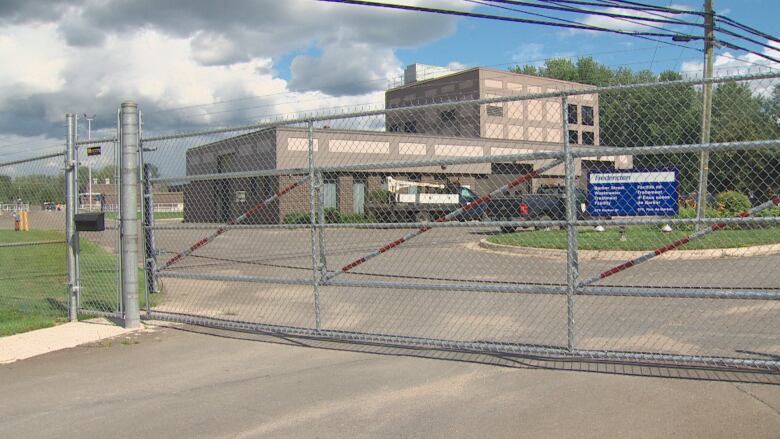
(30, 344)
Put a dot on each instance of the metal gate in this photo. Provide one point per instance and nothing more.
(271, 240)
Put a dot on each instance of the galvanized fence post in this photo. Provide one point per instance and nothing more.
(572, 264)
(70, 212)
(150, 252)
(321, 215)
(313, 185)
(128, 204)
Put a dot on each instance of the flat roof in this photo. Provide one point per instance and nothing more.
(488, 69)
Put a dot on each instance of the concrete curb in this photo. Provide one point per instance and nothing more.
(613, 255)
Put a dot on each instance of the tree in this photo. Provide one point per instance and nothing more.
(671, 115)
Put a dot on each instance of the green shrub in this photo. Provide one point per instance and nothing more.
(770, 212)
(690, 212)
(356, 218)
(332, 215)
(379, 196)
(297, 218)
(733, 202)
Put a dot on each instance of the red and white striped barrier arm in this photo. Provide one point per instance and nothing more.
(454, 214)
(249, 213)
(775, 201)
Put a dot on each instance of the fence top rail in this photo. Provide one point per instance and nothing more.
(95, 141)
(33, 159)
(304, 119)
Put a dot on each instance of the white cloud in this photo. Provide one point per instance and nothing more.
(32, 58)
(89, 55)
(729, 63)
(528, 53)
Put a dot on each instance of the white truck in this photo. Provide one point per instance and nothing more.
(421, 202)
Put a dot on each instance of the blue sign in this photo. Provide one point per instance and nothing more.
(632, 193)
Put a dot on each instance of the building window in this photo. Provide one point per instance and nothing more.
(394, 128)
(574, 137)
(330, 192)
(587, 115)
(588, 138)
(572, 112)
(495, 110)
(410, 127)
(358, 194)
(448, 117)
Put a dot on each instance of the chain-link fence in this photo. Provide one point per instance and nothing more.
(484, 211)
(513, 214)
(98, 253)
(33, 271)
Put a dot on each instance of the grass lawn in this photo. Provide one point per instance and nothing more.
(157, 215)
(33, 280)
(639, 238)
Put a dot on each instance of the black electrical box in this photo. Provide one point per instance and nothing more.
(90, 222)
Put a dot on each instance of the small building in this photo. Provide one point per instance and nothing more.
(410, 133)
(105, 198)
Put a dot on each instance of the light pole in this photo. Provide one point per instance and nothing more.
(89, 165)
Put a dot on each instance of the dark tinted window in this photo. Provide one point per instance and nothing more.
(574, 137)
(588, 138)
(587, 115)
(572, 111)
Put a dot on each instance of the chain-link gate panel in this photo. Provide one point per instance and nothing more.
(98, 257)
(481, 220)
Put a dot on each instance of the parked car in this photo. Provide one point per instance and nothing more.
(547, 205)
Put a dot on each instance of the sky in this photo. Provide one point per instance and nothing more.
(197, 64)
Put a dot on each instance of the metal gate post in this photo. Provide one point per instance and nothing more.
(76, 201)
(150, 252)
(321, 214)
(70, 212)
(572, 263)
(128, 225)
(313, 189)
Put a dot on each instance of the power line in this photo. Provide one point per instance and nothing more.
(746, 28)
(664, 15)
(501, 18)
(547, 16)
(593, 12)
(657, 41)
(734, 34)
(735, 47)
(644, 8)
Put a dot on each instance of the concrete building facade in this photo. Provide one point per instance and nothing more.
(410, 134)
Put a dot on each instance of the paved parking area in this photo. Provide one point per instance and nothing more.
(189, 382)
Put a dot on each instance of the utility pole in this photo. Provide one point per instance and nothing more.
(704, 158)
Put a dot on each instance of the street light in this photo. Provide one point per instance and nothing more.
(89, 166)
